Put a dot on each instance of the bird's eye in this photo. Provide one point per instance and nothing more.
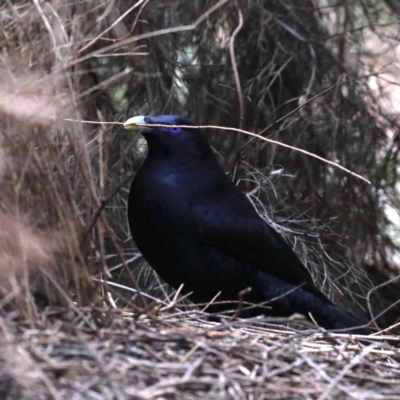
(174, 129)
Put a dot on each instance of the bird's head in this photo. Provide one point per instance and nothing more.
(170, 139)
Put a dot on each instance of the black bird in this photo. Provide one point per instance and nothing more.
(195, 227)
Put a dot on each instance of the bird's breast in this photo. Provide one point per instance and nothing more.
(157, 199)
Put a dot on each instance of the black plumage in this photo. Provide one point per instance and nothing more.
(195, 227)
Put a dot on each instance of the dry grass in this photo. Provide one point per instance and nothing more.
(112, 354)
(65, 333)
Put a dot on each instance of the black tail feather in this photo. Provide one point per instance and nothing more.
(333, 317)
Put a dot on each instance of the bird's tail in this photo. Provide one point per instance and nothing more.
(336, 318)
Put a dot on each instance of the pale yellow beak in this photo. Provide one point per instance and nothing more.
(134, 123)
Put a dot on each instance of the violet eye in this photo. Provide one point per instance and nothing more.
(174, 129)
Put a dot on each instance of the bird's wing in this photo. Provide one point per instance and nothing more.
(247, 238)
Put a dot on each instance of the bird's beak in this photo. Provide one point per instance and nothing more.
(134, 123)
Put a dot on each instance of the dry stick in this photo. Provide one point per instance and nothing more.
(226, 128)
(238, 89)
(375, 317)
(345, 370)
(123, 54)
(101, 207)
(85, 236)
(111, 26)
(235, 69)
(89, 122)
(159, 32)
(303, 105)
(262, 138)
(312, 99)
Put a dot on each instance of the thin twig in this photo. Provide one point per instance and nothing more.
(148, 35)
(226, 128)
(235, 70)
(111, 26)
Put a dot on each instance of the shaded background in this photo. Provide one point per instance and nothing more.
(320, 75)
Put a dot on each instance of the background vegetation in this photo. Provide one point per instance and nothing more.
(320, 75)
